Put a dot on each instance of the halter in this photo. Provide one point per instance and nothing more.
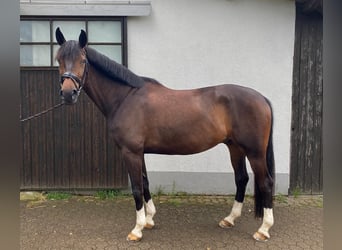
(75, 79)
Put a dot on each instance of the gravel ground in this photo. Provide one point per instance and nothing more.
(182, 222)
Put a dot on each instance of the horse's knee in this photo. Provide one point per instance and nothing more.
(242, 180)
(241, 183)
(137, 194)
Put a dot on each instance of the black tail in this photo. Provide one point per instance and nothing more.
(269, 153)
(259, 199)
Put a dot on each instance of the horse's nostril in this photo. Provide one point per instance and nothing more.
(61, 92)
(74, 92)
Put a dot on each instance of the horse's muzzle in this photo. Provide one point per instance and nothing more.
(69, 97)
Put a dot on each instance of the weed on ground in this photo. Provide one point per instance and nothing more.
(58, 196)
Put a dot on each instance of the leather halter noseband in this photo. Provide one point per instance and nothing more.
(75, 79)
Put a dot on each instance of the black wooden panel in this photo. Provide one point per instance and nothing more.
(67, 148)
(306, 138)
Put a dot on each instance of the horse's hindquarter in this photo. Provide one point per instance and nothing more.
(184, 121)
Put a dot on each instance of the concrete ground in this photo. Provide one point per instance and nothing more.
(182, 222)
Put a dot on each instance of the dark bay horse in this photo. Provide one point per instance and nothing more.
(146, 117)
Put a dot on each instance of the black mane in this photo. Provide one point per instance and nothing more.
(113, 69)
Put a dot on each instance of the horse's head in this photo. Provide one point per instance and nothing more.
(72, 61)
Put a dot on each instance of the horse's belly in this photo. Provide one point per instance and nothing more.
(186, 125)
(183, 144)
(179, 150)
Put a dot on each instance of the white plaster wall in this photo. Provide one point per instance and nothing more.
(194, 43)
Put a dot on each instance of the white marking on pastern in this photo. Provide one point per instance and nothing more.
(150, 212)
(140, 223)
(235, 213)
(267, 222)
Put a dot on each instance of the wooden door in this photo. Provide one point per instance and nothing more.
(68, 148)
(306, 173)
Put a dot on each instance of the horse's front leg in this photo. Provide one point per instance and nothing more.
(150, 208)
(134, 163)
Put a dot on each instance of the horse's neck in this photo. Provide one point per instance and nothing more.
(104, 92)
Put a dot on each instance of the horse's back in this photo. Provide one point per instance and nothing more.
(225, 103)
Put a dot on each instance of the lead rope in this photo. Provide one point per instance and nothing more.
(41, 113)
(81, 84)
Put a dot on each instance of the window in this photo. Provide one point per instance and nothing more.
(38, 45)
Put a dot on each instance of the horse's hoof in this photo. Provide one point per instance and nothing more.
(148, 226)
(260, 237)
(225, 224)
(133, 238)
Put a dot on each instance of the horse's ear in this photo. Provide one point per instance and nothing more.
(83, 40)
(59, 36)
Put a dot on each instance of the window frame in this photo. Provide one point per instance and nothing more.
(86, 19)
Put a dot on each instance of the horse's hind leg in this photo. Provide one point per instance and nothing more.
(263, 195)
(150, 208)
(238, 159)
